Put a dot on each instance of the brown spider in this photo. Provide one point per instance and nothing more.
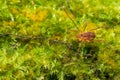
(86, 37)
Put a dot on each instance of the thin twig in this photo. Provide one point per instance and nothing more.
(68, 45)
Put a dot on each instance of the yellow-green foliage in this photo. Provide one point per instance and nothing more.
(38, 40)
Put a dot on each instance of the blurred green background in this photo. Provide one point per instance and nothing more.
(38, 40)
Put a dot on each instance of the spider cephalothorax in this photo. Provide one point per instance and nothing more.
(86, 37)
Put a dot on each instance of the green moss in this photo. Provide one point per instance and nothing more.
(38, 40)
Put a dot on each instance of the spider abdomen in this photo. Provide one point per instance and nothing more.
(86, 37)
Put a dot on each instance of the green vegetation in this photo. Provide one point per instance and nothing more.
(38, 40)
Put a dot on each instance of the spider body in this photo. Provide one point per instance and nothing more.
(86, 37)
